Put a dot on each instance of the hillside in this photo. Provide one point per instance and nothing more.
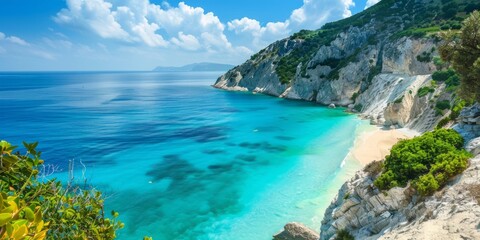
(196, 67)
(376, 62)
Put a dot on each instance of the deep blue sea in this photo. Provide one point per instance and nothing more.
(179, 159)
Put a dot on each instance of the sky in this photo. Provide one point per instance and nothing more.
(112, 35)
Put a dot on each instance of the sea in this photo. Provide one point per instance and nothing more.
(179, 159)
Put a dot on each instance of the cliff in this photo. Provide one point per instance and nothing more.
(401, 213)
(378, 63)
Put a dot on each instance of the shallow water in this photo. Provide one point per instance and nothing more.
(179, 159)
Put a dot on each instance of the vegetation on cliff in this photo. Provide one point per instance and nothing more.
(427, 161)
(34, 208)
(462, 50)
(389, 19)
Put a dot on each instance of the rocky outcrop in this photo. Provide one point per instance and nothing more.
(379, 65)
(367, 213)
(388, 97)
(400, 213)
(296, 231)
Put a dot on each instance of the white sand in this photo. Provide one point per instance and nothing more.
(376, 144)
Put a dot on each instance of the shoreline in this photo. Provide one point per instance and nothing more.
(373, 143)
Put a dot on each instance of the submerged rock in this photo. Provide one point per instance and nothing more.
(296, 231)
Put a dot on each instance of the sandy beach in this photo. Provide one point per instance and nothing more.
(376, 144)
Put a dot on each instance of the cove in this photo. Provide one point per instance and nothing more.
(179, 159)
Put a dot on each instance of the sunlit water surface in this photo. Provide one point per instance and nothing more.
(179, 159)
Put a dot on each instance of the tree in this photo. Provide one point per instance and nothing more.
(462, 50)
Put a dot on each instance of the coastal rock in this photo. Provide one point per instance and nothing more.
(388, 97)
(469, 123)
(452, 213)
(296, 231)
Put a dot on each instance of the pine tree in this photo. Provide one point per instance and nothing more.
(463, 52)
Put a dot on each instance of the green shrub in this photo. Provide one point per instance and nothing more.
(34, 209)
(398, 100)
(428, 160)
(425, 57)
(443, 75)
(459, 104)
(423, 91)
(358, 107)
(344, 235)
(442, 105)
(426, 184)
(354, 96)
(443, 122)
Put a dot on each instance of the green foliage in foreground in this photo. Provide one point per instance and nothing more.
(34, 209)
(428, 161)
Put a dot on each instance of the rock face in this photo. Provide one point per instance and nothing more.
(296, 231)
(452, 213)
(379, 79)
(376, 65)
(469, 122)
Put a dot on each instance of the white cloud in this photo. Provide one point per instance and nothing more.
(311, 15)
(2, 36)
(95, 15)
(17, 40)
(250, 31)
(314, 13)
(371, 3)
(192, 21)
(245, 25)
(186, 41)
(144, 22)
(58, 43)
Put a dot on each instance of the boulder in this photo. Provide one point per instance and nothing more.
(296, 231)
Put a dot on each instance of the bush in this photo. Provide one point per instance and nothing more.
(449, 76)
(423, 91)
(429, 161)
(358, 107)
(425, 57)
(426, 184)
(398, 100)
(442, 105)
(354, 96)
(33, 209)
(443, 122)
(344, 235)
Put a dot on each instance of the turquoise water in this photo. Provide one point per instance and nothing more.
(179, 159)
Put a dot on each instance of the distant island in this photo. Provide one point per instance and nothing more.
(196, 67)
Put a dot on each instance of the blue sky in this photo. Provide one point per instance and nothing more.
(62, 35)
